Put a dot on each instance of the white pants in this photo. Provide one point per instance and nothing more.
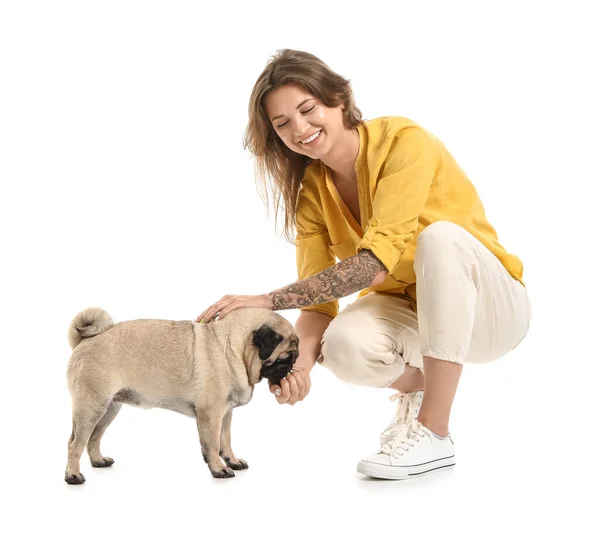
(469, 310)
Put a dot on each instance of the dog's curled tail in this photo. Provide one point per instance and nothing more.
(88, 323)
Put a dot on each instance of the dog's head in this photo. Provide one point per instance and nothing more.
(277, 346)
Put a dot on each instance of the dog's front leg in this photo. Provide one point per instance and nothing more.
(226, 452)
(209, 421)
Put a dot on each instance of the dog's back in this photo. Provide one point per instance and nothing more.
(152, 357)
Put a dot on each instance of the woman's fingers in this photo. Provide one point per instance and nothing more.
(229, 303)
(299, 379)
(202, 315)
(278, 390)
(305, 389)
(207, 315)
(228, 309)
(212, 311)
(294, 388)
(284, 387)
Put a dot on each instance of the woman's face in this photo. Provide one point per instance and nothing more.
(302, 121)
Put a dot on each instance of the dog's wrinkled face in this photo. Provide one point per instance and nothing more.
(277, 353)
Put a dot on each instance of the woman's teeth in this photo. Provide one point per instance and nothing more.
(312, 138)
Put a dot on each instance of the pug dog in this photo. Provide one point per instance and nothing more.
(200, 370)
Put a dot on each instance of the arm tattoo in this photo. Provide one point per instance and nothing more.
(345, 278)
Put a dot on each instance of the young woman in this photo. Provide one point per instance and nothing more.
(388, 200)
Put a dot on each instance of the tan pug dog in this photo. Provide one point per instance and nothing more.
(199, 370)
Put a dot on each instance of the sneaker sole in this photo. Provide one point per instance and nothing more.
(379, 471)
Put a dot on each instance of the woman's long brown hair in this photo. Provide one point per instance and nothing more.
(278, 169)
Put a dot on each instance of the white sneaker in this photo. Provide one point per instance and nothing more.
(407, 410)
(415, 451)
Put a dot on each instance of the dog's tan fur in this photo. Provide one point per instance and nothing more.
(199, 370)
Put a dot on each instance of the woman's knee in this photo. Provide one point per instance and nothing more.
(439, 232)
(441, 240)
(360, 354)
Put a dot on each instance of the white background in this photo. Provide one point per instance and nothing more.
(125, 186)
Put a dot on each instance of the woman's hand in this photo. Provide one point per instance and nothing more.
(294, 386)
(230, 303)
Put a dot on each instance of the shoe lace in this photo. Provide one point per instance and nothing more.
(409, 436)
(402, 407)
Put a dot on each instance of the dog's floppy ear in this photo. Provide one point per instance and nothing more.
(266, 339)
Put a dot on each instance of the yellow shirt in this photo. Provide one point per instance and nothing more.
(406, 180)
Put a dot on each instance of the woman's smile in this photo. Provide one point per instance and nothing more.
(311, 139)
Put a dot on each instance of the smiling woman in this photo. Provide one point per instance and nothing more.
(387, 198)
(302, 127)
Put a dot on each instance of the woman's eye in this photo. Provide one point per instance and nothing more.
(280, 126)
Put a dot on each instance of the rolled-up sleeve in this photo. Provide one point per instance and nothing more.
(313, 254)
(400, 195)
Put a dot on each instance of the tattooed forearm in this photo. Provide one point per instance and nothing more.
(345, 278)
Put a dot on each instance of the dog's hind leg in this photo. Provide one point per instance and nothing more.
(88, 409)
(93, 446)
(226, 452)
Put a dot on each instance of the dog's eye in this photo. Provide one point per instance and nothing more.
(291, 357)
(287, 359)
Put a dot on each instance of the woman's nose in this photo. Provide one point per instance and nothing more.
(300, 127)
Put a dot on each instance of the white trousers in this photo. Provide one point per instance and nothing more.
(469, 310)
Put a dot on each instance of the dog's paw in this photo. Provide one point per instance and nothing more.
(105, 463)
(75, 478)
(240, 464)
(223, 473)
